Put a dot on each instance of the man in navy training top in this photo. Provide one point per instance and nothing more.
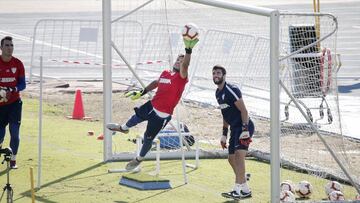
(170, 86)
(236, 116)
(12, 81)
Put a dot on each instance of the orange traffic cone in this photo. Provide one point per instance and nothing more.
(100, 137)
(78, 111)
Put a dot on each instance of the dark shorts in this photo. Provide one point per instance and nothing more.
(155, 123)
(234, 143)
(10, 113)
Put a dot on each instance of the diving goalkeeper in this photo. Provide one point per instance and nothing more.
(157, 112)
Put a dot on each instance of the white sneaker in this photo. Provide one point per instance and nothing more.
(132, 164)
(241, 195)
(116, 127)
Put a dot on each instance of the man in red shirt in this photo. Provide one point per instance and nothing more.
(158, 111)
(12, 81)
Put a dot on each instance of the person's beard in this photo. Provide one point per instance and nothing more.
(219, 81)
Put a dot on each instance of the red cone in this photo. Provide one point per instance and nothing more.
(78, 112)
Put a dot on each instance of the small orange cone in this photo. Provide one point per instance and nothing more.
(100, 137)
(78, 111)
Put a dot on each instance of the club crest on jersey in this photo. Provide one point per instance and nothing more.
(165, 81)
(13, 70)
(223, 106)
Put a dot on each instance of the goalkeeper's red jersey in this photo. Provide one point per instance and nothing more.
(169, 91)
(10, 72)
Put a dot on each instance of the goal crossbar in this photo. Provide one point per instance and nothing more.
(237, 7)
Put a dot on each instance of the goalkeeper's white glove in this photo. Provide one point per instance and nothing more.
(245, 138)
(223, 142)
(245, 132)
(134, 95)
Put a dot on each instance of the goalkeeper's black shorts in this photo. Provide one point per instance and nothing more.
(155, 123)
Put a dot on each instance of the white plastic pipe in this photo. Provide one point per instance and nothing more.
(40, 125)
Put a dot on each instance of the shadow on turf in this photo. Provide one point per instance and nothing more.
(3, 172)
(147, 198)
(237, 200)
(233, 200)
(41, 199)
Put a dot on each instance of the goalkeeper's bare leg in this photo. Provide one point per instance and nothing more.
(237, 163)
(244, 189)
(237, 153)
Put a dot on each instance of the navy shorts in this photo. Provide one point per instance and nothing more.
(10, 113)
(234, 143)
(155, 123)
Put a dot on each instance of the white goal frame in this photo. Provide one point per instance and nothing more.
(273, 16)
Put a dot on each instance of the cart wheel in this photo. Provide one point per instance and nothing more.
(321, 114)
(286, 112)
(330, 118)
(321, 111)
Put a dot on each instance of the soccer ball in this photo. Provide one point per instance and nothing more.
(336, 195)
(190, 31)
(357, 197)
(333, 186)
(304, 189)
(287, 185)
(287, 196)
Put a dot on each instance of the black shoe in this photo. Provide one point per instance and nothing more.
(13, 164)
(242, 194)
(228, 194)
